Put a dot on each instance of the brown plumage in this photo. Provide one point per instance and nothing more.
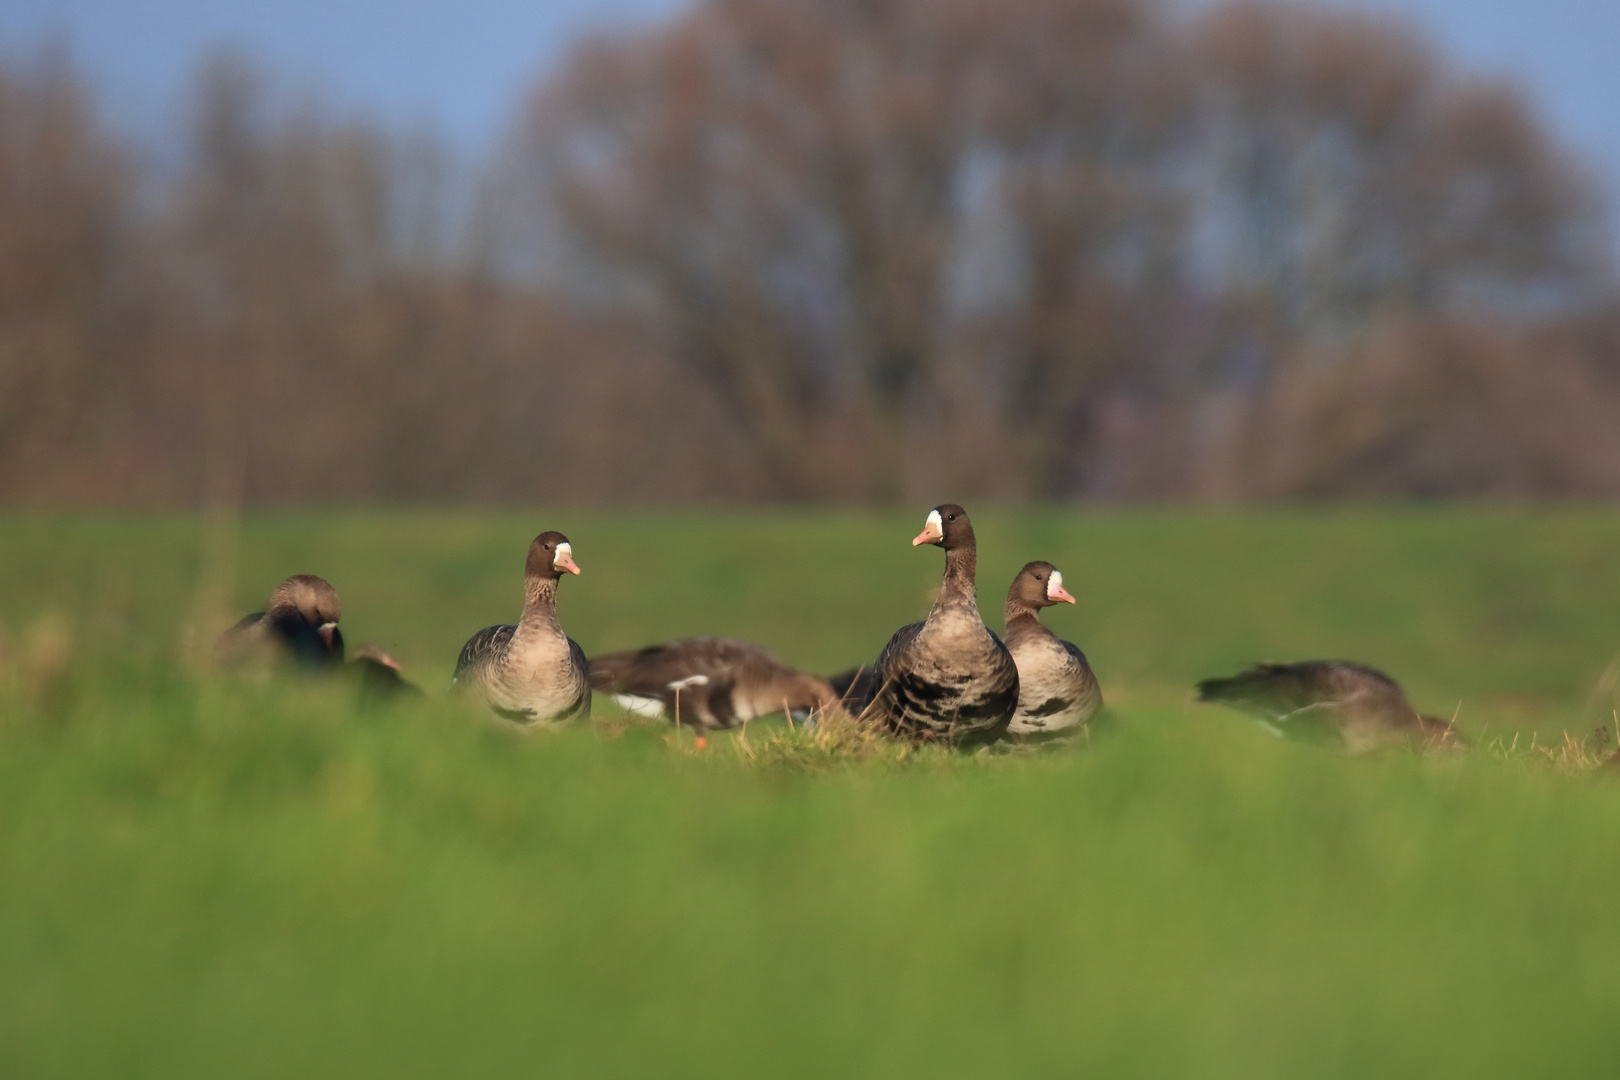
(1058, 695)
(1334, 701)
(297, 626)
(855, 688)
(947, 678)
(708, 682)
(532, 672)
(379, 677)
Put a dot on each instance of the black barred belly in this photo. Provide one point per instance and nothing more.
(965, 710)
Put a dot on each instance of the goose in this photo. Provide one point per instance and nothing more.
(379, 677)
(531, 673)
(1057, 694)
(708, 682)
(299, 624)
(1333, 701)
(855, 688)
(947, 678)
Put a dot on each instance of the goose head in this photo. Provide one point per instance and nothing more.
(947, 527)
(551, 556)
(314, 601)
(1038, 585)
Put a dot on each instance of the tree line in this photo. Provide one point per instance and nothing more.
(848, 250)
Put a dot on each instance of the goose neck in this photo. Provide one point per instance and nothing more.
(961, 563)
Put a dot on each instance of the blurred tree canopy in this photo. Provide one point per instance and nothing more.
(826, 249)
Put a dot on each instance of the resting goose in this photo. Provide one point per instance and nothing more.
(708, 682)
(1057, 693)
(532, 672)
(947, 678)
(379, 677)
(299, 624)
(1330, 700)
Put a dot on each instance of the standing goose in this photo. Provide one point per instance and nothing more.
(1057, 693)
(713, 682)
(299, 624)
(947, 678)
(532, 672)
(1333, 701)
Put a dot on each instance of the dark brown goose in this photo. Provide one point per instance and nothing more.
(855, 688)
(299, 624)
(531, 673)
(1331, 701)
(1057, 694)
(947, 678)
(379, 677)
(708, 682)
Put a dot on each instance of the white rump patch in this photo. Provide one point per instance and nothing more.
(1054, 585)
(564, 548)
(641, 706)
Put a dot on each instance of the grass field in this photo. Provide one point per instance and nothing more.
(199, 879)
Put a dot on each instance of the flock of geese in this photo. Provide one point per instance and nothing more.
(947, 679)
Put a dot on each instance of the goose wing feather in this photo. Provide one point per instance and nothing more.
(482, 649)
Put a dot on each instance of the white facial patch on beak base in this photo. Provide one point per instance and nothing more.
(1055, 591)
(564, 559)
(933, 530)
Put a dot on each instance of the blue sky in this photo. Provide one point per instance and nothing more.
(461, 65)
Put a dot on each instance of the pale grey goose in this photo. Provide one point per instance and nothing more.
(1057, 693)
(531, 673)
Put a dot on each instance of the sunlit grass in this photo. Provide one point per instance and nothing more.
(204, 879)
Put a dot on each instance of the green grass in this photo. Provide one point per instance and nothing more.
(199, 879)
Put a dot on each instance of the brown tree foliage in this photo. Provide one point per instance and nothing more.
(829, 249)
(1056, 248)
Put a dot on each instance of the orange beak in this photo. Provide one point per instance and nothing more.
(1058, 592)
(565, 561)
(929, 535)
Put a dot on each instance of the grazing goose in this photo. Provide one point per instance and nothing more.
(532, 672)
(855, 688)
(299, 624)
(713, 682)
(379, 677)
(1057, 693)
(1334, 701)
(947, 678)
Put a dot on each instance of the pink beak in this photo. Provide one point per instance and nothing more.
(326, 633)
(1058, 592)
(930, 535)
(566, 562)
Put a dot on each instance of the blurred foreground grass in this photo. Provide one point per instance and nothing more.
(205, 880)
